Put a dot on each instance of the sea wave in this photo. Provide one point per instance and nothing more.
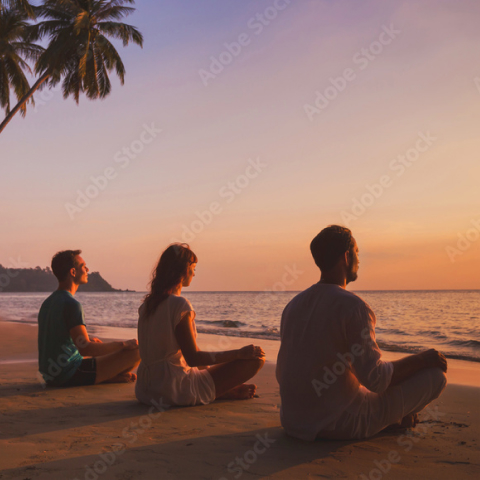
(272, 333)
(221, 323)
(466, 343)
(407, 321)
(387, 346)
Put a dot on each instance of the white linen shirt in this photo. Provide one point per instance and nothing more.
(327, 352)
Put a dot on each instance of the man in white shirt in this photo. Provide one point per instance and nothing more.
(333, 382)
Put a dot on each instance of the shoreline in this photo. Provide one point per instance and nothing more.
(261, 291)
(460, 372)
(262, 338)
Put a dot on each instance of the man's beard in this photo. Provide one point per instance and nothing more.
(351, 276)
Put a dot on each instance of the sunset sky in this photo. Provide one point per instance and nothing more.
(314, 108)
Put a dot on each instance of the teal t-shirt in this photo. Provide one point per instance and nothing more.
(58, 357)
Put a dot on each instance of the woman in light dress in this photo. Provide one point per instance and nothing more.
(173, 369)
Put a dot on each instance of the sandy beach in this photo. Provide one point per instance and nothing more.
(102, 432)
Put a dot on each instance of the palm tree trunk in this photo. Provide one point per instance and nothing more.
(23, 100)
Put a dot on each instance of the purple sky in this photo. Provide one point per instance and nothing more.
(274, 160)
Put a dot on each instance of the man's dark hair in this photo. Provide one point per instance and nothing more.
(329, 245)
(63, 262)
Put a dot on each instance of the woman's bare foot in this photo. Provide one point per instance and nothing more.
(241, 392)
(408, 421)
(123, 378)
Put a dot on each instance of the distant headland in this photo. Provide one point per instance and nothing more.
(43, 280)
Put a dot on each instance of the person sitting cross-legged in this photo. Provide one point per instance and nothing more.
(174, 369)
(68, 356)
(333, 381)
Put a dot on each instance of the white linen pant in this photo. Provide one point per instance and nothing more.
(372, 412)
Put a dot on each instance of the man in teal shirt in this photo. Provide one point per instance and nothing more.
(59, 357)
(67, 355)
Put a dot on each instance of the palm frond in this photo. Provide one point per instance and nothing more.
(15, 49)
(18, 60)
(22, 6)
(4, 88)
(55, 11)
(90, 81)
(42, 29)
(115, 12)
(17, 79)
(121, 31)
(111, 57)
(72, 84)
(104, 85)
(28, 50)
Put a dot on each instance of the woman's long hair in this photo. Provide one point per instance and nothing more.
(168, 274)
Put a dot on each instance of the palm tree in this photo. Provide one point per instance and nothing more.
(14, 50)
(19, 5)
(79, 51)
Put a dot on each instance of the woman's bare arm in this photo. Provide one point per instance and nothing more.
(185, 335)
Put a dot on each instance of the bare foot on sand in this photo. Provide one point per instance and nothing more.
(408, 421)
(242, 392)
(123, 378)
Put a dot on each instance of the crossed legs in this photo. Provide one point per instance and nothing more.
(229, 378)
(116, 367)
(397, 405)
(418, 391)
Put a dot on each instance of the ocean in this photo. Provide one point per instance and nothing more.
(407, 321)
